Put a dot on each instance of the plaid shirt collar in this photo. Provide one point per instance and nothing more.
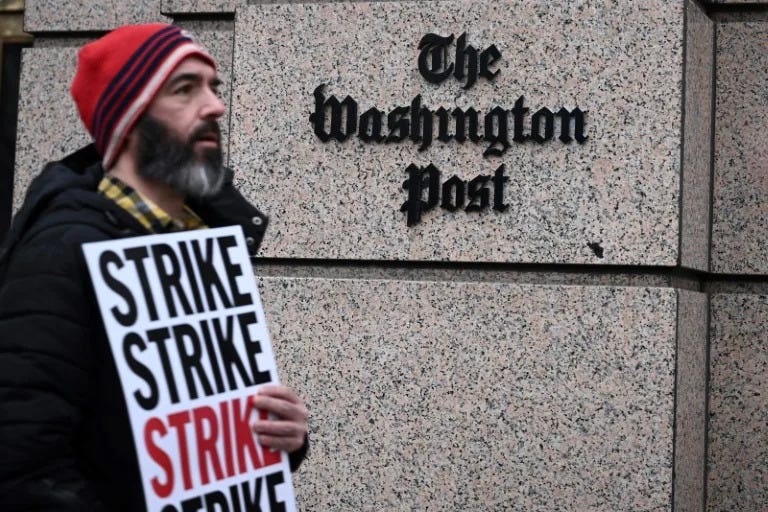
(151, 216)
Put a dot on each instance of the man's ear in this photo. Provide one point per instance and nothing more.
(131, 140)
(131, 143)
(127, 155)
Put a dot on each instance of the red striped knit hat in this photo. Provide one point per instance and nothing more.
(118, 76)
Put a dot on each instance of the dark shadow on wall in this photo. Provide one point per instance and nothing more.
(9, 99)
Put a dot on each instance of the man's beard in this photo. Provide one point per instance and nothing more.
(164, 157)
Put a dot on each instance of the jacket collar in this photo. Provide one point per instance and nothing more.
(74, 180)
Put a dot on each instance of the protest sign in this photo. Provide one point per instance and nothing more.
(188, 334)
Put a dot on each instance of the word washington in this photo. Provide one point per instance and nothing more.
(338, 120)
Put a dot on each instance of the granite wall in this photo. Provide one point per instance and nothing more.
(578, 338)
(738, 405)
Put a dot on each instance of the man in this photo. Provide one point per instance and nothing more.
(148, 96)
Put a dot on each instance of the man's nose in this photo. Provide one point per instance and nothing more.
(213, 108)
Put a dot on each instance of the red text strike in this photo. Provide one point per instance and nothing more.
(226, 446)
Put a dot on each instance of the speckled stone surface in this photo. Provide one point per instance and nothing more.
(697, 145)
(740, 214)
(738, 423)
(691, 401)
(61, 42)
(200, 6)
(619, 191)
(728, 286)
(49, 127)
(478, 396)
(88, 15)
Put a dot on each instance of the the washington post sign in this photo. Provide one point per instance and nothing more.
(188, 334)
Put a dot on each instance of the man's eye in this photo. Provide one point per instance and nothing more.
(184, 89)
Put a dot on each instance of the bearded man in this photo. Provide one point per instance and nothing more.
(148, 95)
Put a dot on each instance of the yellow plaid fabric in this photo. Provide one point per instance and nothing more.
(145, 211)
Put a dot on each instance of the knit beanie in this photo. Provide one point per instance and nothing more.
(119, 75)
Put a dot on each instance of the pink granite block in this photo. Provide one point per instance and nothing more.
(479, 396)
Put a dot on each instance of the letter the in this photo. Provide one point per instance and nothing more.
(433, 58)
(466, 56)
(488, 58)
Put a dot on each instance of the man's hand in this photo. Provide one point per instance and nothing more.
(288, 430)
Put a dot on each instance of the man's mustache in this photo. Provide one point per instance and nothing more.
(208, 130)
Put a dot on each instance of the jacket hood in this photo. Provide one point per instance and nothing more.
(69, 183)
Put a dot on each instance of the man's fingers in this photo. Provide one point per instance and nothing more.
(280, 428)
(280, 435)
(279, 391)
(289, 428)
(287, 444)
(281, 408)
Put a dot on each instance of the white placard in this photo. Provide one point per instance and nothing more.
(188, 334)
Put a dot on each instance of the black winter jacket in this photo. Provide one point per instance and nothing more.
(65, 438)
